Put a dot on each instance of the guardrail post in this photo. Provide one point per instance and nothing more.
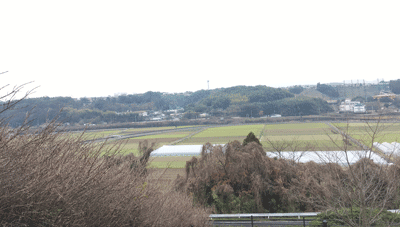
(251, 220)
(304, 222)
(324, 223)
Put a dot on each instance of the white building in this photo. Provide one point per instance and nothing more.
(359, 108)
(203, 115)
(349, 106)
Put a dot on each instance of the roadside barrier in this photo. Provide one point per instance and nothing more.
(276, 215)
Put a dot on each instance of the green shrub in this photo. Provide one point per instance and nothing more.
(348, 217)
(251, 138)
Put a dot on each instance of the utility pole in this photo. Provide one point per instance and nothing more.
(365, 92)
(378, 86)
(352, 89)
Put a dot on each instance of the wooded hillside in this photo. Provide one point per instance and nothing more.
(250, 101)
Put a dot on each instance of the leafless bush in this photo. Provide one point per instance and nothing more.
(238, 178)
(364, 186)
(294, 147)
(52, 179)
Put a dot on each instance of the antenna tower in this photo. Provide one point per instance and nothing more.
(208, 84)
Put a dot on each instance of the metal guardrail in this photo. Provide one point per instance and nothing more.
(265, 215)
(268, 215)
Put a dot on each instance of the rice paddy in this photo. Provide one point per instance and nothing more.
(286, 137)
(372, 132)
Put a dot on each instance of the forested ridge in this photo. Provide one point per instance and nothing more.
(245, 101)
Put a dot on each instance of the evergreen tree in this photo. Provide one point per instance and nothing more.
(251, 138)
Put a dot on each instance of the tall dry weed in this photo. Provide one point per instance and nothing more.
(52, 179)
(240, 175)
(237, 178)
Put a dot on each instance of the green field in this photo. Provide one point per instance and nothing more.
(223, 134)
(97, 134)
(123, 132)
(300, 136)
(166, 135)
(230, 131)
(287, 137)
(127, 131)
(131, 145)
(384, 132)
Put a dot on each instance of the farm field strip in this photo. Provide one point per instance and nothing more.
(387, 132)
(157, 128)
(311, 137)
(212, 140)
(303, 136)
(181, 140)
(151, 134)
(96, 134)
(361, 128)
(293, 126)
(319, 135)
(363, 124)
(131, 145)
(135, 132)
(230, 131)
(165, 135)
(312, 145)
(173, 162)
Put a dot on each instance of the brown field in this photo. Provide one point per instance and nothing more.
(166, 175)
(171, 159)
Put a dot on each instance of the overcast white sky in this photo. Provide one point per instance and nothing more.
(100, 48)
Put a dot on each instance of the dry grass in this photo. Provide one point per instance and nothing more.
(166, 176)
(49, 179)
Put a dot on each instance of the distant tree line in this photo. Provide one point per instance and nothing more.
(250, 101)
(296, 89)
(327, 90)
(123, 108)
(257, 102)
(394, 86)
